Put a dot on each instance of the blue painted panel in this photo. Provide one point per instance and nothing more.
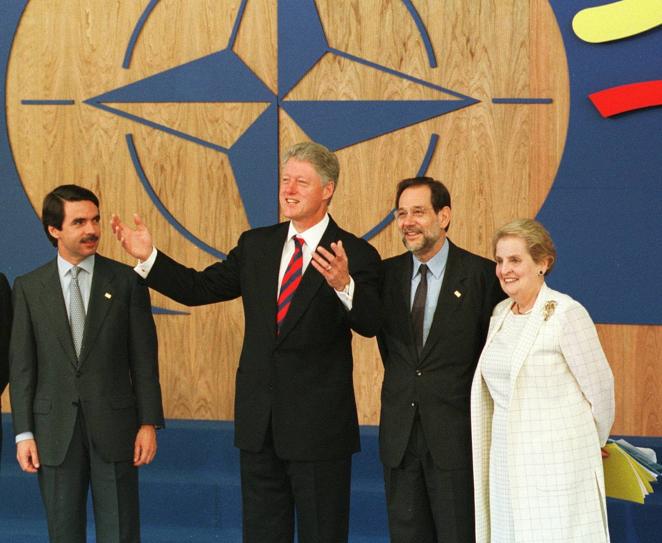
(48, 102)
(254, 160)
(432, 59)
(341, 124)
(128, 54)
(23, 243)
(301, 41)
(605, 208)
(219, 77)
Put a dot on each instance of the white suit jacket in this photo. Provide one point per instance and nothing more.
(560, 413)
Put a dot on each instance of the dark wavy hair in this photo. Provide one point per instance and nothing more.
(52, 210)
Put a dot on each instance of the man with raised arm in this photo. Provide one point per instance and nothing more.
(306, 285)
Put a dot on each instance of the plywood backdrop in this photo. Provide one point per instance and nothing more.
(499, 161)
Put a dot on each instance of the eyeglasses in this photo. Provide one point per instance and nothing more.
(415, 212)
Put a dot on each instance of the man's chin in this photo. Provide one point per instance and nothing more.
(412, 247)
(289, 214)
(87, 251)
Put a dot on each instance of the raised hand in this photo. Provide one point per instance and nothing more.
(137, 242)
(334, 267)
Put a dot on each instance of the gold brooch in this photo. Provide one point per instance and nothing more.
(548, 310)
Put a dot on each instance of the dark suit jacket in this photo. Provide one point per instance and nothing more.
(116, 381)
(301, 379)
(5, 329)
(438, 382)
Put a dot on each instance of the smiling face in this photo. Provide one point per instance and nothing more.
(304, 199)
(520, 276)
(79, 236)
(422, 229)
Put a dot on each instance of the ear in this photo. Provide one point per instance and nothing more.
(444, 216)
(548, 264)
(543, 265)
(328, 190)
(54, 232)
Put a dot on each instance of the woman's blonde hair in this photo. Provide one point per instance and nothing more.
(535, 236)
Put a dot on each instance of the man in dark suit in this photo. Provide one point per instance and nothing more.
(295, 412)
(437, 302)
(84, 377)
(5, 328)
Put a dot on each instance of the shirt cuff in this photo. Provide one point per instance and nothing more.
(143, 268)
(346, 295)
(24, 436)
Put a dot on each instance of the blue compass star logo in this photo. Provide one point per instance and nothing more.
(248, 150)
(224, 77)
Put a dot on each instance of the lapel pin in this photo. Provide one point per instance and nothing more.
(108, 295)
(458, 294)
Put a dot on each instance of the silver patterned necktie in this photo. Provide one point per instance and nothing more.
(76, 311)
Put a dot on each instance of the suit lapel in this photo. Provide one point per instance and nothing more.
(101, 299)
(496, 325)
(311, 282)
(267, 284)
(451, 297)
(402, 300)
(56, 310)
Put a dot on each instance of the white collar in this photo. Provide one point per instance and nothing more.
(313, 235)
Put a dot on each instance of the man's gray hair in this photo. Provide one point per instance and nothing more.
(324, 161)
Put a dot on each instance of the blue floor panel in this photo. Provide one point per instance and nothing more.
(191, 493)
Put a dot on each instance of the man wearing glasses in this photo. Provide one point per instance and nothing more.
(437, 302)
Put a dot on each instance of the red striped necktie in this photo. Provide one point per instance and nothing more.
(290, 282)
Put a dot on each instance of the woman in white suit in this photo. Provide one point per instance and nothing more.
(542, 405)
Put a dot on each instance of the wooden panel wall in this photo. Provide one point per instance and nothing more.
(499, 161)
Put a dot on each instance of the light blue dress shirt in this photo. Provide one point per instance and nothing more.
(84, 279)
(436, 269)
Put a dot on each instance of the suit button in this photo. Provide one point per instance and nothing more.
(419, 373)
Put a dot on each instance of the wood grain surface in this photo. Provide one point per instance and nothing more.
(499, 161)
